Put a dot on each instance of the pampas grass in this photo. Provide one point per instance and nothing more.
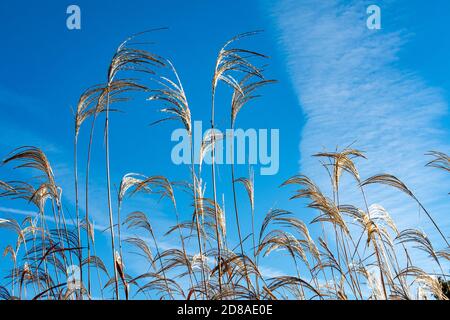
(359, 253)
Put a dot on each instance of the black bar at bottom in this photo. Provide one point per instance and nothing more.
(224, 309)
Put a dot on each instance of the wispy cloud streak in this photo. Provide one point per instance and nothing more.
(352, 90)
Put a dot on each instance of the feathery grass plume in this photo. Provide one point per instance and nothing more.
(378, 213)
(420, 240)
(426, 282)
(440, 161)
(139, 220)
(141, 244)
(373, 283)
(431, 284)
(307, 242)
(277, 239)
(121, 270)
(93, 102)
(213, 209)
(130, 180)
(12, 225)
(338, 268)
(197, 260)
(5, 187)
(229, 61)
(235, 60)
(271, 216)
(173, 95)
(164, 287)
(396, 183)
(9, 250)
(161, 185)
(208, 143)
(97, 262)
(174, 258)
(366, 220)
(125, 59)
(291, 284)
(13, 253)
(35, 159)
(373, 230)
(330, 213)
(245, 92)
(237, 268)
(249, 187)
(342, 161)
(445, 253)
(4, 294)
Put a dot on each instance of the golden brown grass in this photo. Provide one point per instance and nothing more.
(360, 253)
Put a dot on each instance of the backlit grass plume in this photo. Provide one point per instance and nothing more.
(346, 251)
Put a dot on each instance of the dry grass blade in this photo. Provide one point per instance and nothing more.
(342, 161)
(392, 181)
(271, 216)
(208, 144)
(4, 294)
(160, 284)
(93, 101)
(174, 258)
(302, 229)
(156, 185)
(425, 281)
(211, 209)
(11, 224)
(173, 94)
(249, 187)
(236, 60)
(291, 284)
(420, 239)
(389, 180)
(142, 245)
(245, 93)
(32, 157)
(330, 213)
(130, 59)
(10, 250)
(445, 254)
(129, 181)
(96, 262)
(121, 271)
(138, 219)
(440, 161)
(206, 262)
(5, 187)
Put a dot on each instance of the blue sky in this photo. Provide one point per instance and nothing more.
(338, 83)
(383, 91)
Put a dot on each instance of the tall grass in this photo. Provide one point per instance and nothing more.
(358, 254)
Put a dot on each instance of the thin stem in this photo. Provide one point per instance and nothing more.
(213, 177)
(197, 222)
(238, 224)
(108, 183)
(87, 221)
(77, 209)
